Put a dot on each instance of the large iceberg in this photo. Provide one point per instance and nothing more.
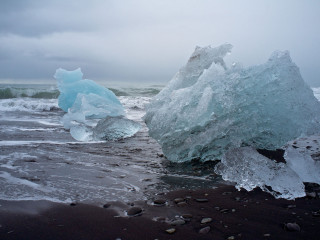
(208, 108)
(93, 111)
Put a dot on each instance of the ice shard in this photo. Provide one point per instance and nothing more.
(249, 170)
(88, 105)
(208, 108)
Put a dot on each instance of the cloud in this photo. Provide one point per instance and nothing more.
(150, 40)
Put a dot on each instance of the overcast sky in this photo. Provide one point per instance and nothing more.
(147, 41)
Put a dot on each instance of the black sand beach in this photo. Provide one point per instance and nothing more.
(226, 213)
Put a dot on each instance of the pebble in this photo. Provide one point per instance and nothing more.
(226, 193)
(177, 200)
(292, 227)
(311, 194)
(106, 205)
(204, 230)
(187, 215)
(159, 202)
(206, 220)
(177, 222)
(267, 235)
(171, 230)
(181, 204)
(73, 204)
(231, 238)
(291, 206)
(316, 214)
(134, 211)
(224, 210)
(201, 200)
(237, 199)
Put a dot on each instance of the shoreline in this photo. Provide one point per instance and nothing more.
(226, 213)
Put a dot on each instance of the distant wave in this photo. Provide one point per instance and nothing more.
(29, 104)
(13, 92)
(51, 92)
(137, 92)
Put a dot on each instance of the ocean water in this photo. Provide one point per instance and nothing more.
(39, 160)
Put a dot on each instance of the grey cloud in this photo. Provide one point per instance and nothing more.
(149, 40)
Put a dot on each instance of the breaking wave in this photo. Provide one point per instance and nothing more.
(51, 92)
(29, 104)
(15, 92)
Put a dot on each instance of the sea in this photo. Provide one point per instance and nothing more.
(39, 160)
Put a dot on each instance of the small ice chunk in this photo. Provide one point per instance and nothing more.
(249, 170)
(303, 164)
(113, 128)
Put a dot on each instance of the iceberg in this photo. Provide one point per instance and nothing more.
(94, 112)
(208, 109)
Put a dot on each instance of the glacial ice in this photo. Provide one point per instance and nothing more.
(93, 112)
(70, 83)
(113, 128)
(249, 170)
(208, 108)
(303, 164)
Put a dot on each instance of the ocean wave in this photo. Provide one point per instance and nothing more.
(16, 92)
(51, 92)
(29, 104)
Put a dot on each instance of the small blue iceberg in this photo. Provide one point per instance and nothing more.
(89, 105)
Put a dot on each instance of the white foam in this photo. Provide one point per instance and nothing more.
(20, 143)
(18, 181)
(28, 104)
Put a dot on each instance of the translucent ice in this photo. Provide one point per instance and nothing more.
(207, 109)
(302, 163)
(113, 128)
(88, 105)
(249, 170)
(70, 83)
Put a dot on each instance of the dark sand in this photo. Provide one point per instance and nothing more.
(235, 215)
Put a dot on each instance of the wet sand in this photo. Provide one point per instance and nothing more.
(234, 215)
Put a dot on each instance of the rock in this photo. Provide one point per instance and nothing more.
(159, 202)
(291, 206)
(177, 200)
(311, 194)
(134, 211)
(267, 235)
(187, 215)
(171, 230)
(177, 222)
(182, 204)
(206, 220)
(224, 210)
(73, 204)
(202, 200)
(106, 205)
(204, 230)
(292, 227)
(231, 238)
(226, 193)
(316, 214)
